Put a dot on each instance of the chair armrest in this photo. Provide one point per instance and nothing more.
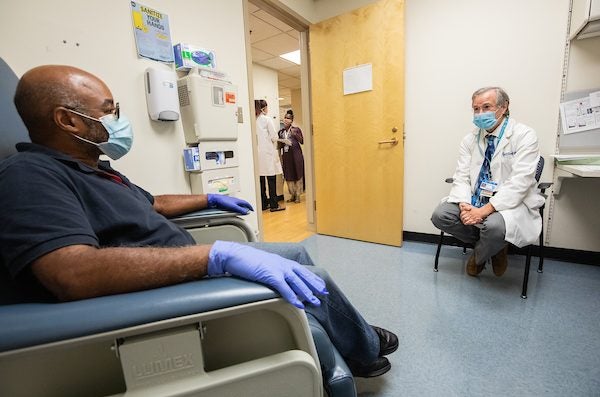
(30, 324)
(449, 180)
(207, 213)
(544, 185)
(209, 217)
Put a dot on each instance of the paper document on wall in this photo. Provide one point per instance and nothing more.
(582, 114)
(358, 79)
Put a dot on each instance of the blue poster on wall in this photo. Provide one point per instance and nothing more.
(152, 34)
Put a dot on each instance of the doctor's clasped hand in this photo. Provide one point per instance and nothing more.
(471, 215)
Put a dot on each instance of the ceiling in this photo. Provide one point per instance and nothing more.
(270, 38)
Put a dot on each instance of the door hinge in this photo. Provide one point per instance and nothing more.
(315, 205)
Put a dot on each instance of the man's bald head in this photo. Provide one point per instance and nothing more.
(44, 88)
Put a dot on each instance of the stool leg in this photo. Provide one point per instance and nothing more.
(541, 264)
(526, 275)
(437, 254)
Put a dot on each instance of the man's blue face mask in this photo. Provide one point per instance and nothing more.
(120, 135)
(485, 120)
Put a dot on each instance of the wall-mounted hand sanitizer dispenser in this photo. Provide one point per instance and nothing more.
(161, 94)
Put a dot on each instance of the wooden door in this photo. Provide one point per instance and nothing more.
(358, 176)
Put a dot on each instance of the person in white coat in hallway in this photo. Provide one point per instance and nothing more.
(494, 198)
(269, 165)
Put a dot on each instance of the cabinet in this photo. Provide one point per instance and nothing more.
(585, 19)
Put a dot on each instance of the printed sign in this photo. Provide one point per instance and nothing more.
(152, 34)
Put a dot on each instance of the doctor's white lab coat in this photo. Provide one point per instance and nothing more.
(513, 168)
(268, 158)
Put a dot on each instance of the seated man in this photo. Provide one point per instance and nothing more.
(71, 227)
(493, 199)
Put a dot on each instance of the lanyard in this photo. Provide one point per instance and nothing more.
(499, 138)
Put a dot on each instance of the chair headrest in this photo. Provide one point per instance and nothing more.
(12, 129)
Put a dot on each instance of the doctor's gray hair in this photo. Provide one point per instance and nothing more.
(501, 96)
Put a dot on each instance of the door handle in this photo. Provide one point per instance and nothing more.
(393, 141)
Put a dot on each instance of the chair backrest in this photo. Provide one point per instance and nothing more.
(12, 129)
(539, 169)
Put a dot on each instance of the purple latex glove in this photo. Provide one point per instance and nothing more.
(287, 277)
(234, 204)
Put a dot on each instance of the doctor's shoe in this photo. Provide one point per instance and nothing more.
(377, 368)
(277, 209)
(388, 341)
(500, 261)
(473, 269)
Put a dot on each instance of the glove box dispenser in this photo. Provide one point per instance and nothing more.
(210, 156)
(213, 167)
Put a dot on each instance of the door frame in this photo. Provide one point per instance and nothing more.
(296, 21)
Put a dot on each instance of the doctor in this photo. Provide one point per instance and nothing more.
(269, 165)
(493, 200)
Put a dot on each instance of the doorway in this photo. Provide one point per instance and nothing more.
(283, 83)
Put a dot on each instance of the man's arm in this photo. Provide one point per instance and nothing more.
(81, 271)
(171, 205)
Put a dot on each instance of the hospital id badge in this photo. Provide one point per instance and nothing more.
(488, 188)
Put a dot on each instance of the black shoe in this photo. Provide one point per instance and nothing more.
(388, 341)
(277, 209)
(377, 368)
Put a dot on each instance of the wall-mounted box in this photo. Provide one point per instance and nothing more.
(208, 108)
(585, 19)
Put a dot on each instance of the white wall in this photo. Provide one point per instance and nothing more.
(33, 34)
(453, 48)
(266, 86)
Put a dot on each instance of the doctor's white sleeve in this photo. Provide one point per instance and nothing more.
(461, 187)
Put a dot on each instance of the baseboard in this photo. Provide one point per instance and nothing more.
(561, 254)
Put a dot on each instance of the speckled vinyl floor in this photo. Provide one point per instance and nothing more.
(466, 336)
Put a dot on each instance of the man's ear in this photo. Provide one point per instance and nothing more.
(66, 120)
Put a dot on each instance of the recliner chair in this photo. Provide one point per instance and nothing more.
(213, 337)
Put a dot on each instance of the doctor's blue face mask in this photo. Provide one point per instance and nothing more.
(485, 120)
(120, 134)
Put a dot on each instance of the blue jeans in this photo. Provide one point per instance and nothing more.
(353, 337)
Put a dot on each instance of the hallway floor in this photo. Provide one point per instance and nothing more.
(467, 336)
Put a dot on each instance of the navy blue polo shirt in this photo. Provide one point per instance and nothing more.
(48, 200)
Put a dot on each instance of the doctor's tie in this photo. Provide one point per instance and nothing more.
(485, 174)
